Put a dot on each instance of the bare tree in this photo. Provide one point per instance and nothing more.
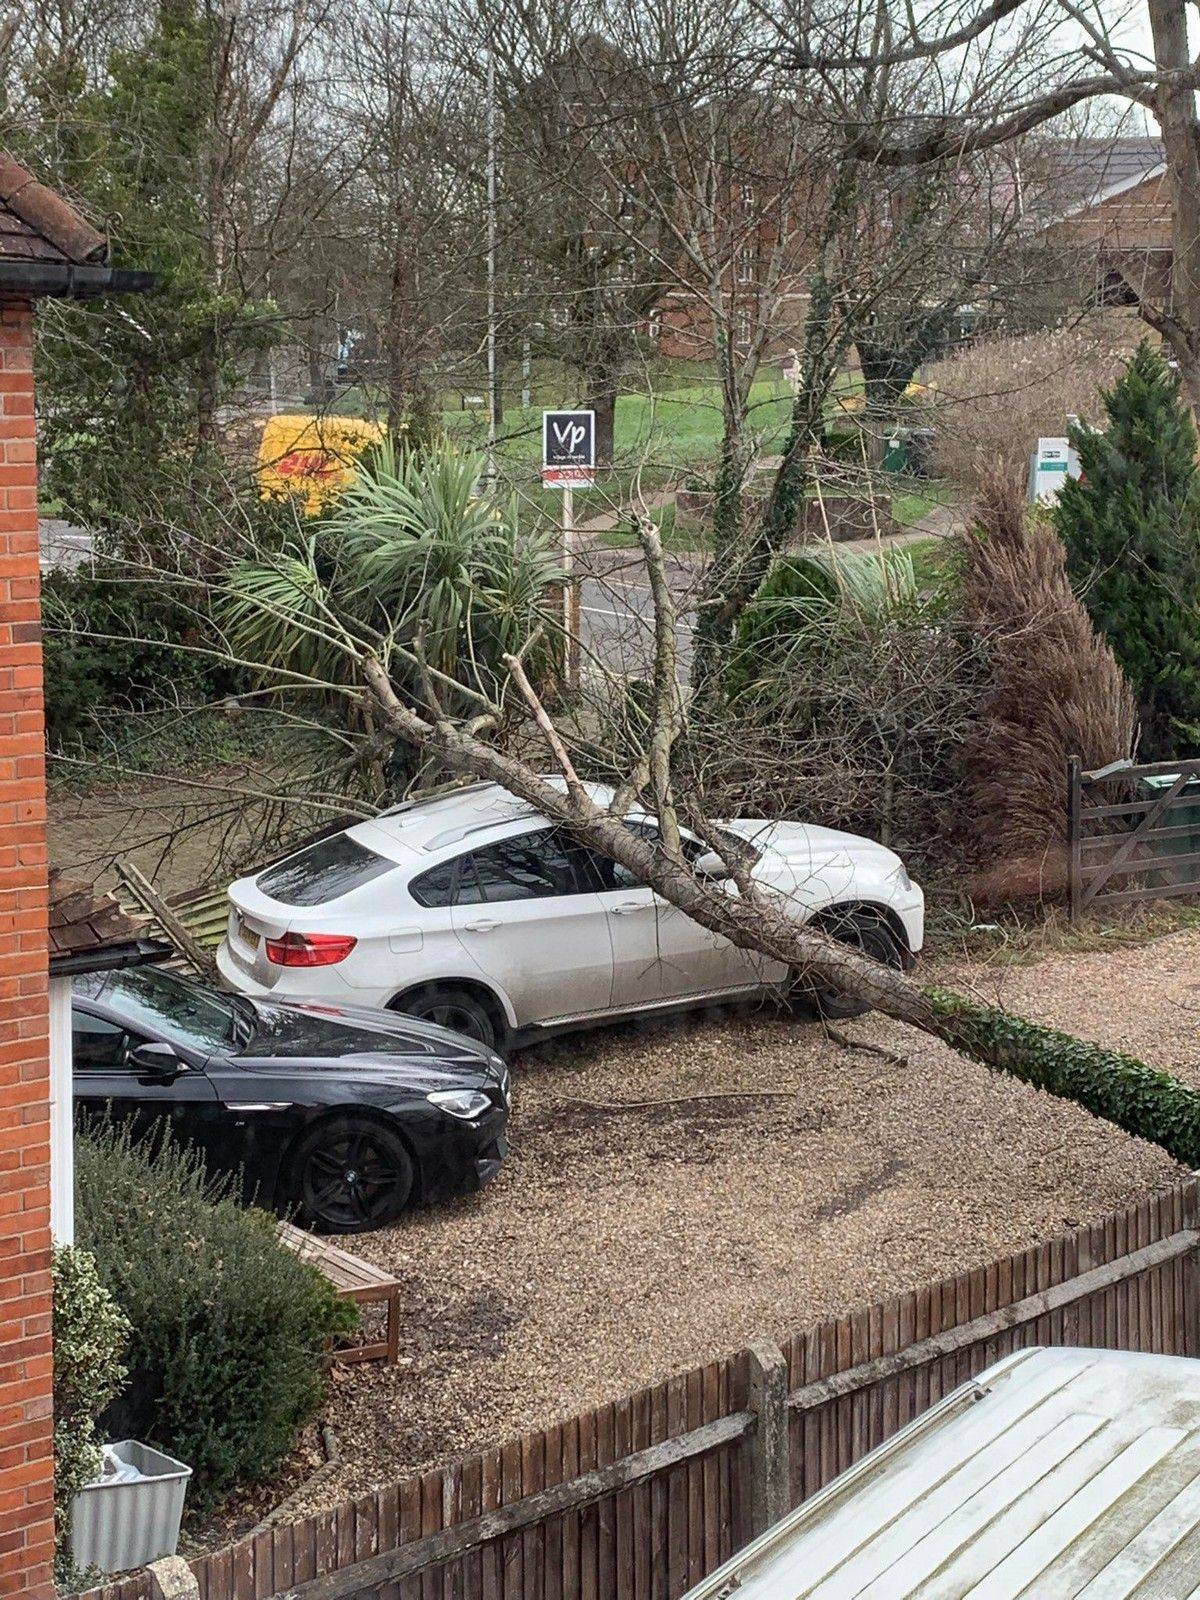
(420, 133)
(1080, 58)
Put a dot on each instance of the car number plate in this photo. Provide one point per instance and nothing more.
(250, 938)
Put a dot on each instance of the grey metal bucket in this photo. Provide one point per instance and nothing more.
(115, 1526)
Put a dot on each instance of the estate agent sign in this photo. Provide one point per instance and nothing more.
(568, 449)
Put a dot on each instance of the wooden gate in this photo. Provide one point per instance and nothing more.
(1133, 833)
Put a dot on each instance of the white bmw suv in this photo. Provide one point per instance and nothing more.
(471, 910)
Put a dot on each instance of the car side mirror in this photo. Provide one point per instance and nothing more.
(156, 1057)
(710, 867)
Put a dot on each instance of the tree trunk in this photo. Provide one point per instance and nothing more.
(410, 403)
(1189, 372)
(714, 627)
(1175, 105)
(727, 493)
(735, 573)
(602, 399)
(497, 396)
(207, 392)
(731, 583)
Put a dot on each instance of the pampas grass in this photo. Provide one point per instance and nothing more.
(1056, 691)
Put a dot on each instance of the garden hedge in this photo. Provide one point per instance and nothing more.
(228, 1329)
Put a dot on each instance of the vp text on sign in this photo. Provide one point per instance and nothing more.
(568, 449)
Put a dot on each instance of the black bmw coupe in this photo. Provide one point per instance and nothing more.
(340, 1115)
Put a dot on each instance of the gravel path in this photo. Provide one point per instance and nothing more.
(621, 1245)
(1144, 999)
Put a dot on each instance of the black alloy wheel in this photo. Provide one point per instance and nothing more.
(868, 932)
(453, 1008)
(352, 1175)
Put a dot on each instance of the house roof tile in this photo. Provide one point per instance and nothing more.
(89, 930)
(36, 224)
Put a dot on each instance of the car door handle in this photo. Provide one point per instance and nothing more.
(627, 907)
(484, 925)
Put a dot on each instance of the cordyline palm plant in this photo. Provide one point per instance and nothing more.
(412, 556)
(820, 600)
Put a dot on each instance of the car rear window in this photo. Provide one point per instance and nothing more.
(323, 871)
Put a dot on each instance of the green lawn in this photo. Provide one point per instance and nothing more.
(916, 500)
(674, 426)
(675, 417)
(682, 534)
(667, 435)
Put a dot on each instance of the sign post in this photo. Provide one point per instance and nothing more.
(569, 463)
(1054, 461)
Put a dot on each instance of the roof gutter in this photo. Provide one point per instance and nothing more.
(110, 958)
(66, 280)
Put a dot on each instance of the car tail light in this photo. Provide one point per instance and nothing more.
(310, 949)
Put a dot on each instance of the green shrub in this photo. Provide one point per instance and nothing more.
(228, 1328)
(1131, 526)
(842, 444)
(1144, 1101)
(113, 643)
(853, 690)
(90, 1335)
(797, 597)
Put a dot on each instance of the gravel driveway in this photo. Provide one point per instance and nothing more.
(622, 1244)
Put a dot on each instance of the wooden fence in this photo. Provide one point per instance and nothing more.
(641, 1498)
(1131, 839)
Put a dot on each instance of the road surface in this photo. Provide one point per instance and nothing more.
(618, 614)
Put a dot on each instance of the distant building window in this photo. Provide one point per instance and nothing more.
(745, 264)
(655, 328)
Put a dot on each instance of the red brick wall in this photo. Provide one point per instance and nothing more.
(1139, 219)
(26, 1465)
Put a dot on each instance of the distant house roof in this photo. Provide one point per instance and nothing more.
(89, 932)
(1091, 171)
(1108, 197)
(48, 248)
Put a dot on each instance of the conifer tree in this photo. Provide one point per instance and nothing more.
(1131, 526)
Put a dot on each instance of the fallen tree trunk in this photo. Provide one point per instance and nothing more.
(1138, 1098)
(1143, 1100)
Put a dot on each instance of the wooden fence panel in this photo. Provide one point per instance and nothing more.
(1142, 1311)
(656, 1525)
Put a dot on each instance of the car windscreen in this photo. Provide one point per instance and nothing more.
(323, 871)
(148, 999)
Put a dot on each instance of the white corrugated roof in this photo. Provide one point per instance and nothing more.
(1056, 1473)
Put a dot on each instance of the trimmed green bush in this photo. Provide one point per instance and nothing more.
(90, 1335)
(228, 1328)
(1144, 1101)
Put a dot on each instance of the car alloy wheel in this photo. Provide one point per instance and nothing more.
(353, 1175)
(456, 1009)
(868, 932)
